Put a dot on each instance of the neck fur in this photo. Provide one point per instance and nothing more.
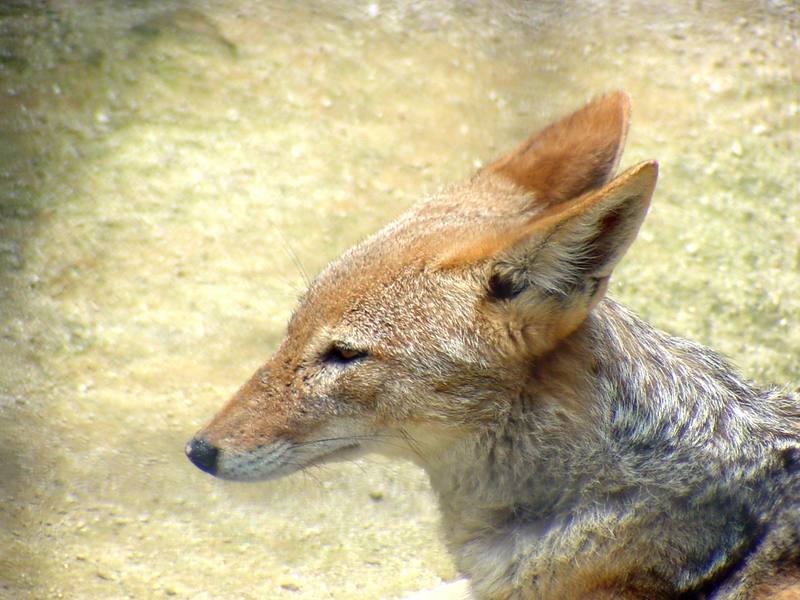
(604, 428)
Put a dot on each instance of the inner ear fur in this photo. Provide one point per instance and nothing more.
(575, 155)
(568, 251)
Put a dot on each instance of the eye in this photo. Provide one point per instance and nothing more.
(343, 354)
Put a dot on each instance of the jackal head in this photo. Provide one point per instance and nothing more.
(425, 332)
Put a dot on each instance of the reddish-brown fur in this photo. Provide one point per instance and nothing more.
(575, 451)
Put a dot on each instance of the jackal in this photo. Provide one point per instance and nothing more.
(575, 451)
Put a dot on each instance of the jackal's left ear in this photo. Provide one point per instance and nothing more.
(564, 257)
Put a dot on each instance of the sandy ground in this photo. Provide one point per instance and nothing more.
(167, 171)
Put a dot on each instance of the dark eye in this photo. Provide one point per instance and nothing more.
(341, 354)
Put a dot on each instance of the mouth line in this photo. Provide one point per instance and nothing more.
(339, 454)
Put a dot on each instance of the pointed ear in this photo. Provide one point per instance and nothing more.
(577, 154)
(556, 268)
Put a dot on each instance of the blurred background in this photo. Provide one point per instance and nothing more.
(169, 168)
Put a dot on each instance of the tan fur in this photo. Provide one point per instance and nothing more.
(781, 587)
(557, 165)
(575, 451)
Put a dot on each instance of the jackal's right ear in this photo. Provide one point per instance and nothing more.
(577, 154)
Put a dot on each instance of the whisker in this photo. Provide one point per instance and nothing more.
(414, 445)
(293, 256)
(306, 471)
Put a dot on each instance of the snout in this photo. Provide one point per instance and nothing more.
(203, 454)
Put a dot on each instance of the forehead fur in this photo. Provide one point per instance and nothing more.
(423, 238)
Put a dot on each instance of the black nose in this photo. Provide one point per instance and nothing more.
(203, 455)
